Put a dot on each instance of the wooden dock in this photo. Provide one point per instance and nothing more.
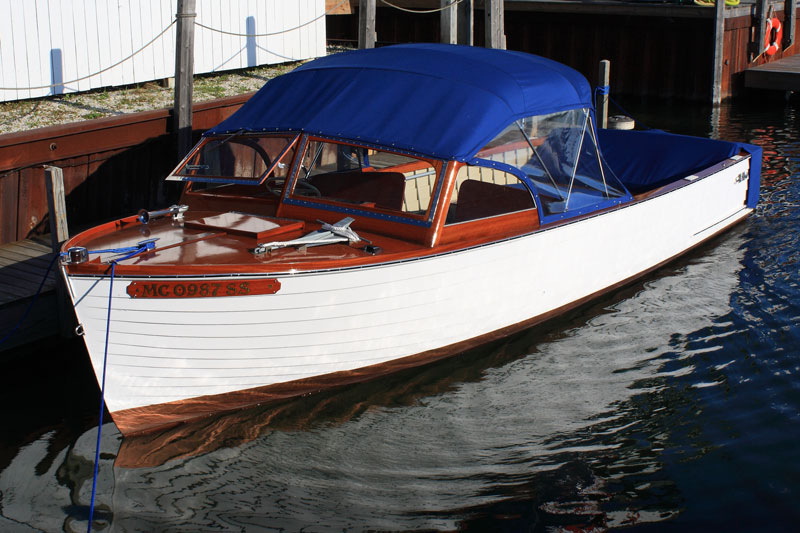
(22, 267)
(782, 75)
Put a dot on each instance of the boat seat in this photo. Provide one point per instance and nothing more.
(480, 199)
(383, 189)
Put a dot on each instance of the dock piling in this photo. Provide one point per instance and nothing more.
(59, 232)
(366, 24)
(719, 52)
(790, 13)
(57, 208)
(465, 22)
(603, 80)
(495, 23)
(448, 19)
(184, 75)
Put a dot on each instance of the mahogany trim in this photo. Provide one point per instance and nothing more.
(202, 288)
(498, 227)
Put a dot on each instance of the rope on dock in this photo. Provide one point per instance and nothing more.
(422, 11)
(118, 63)
(281, 32)
(154, 39)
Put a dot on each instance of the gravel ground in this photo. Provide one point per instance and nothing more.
(75, 107)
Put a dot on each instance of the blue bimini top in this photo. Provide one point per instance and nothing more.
(444, 101)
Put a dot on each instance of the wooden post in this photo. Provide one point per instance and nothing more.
(56, 206)
(495, 25)
(719, 52)
(184, 75)
(761, 33)
(366, 24)
(465, 22)
(790, 20)
(603, 80)
(59, 232)
(448, 20)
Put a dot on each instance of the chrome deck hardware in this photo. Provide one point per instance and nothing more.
(144, 216)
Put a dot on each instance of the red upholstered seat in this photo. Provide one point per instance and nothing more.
(384, 189)
(480, 199)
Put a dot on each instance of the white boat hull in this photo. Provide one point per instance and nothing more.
(163, 350)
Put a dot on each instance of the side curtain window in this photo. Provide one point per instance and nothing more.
(366, 177)
(482, 192)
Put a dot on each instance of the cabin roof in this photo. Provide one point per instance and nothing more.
(445, 101)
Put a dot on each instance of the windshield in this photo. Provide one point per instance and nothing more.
(366, 179)
(238, 158)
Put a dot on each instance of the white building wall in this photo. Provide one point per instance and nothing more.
(52, 47)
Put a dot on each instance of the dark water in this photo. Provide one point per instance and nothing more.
(673, 404)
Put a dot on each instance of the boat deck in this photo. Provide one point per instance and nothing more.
(22, 266)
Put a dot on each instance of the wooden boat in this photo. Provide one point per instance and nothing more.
(379, 209)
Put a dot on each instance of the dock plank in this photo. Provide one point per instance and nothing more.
(32, 248)
(15, 255)
(23, 265)
(12, 292)
(19, 274)
(782, 75)
(35, 267)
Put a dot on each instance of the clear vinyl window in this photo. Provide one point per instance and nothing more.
(365, 177)
(559, 155)
(482, 192)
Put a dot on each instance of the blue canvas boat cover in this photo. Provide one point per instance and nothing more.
(445, 101)
(643, 160)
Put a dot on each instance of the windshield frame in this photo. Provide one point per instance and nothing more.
(326, 204)
(176, 175)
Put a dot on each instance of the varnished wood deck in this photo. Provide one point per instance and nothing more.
(22, 266)
(782, 75)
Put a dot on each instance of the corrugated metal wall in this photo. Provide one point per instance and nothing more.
(50, 43)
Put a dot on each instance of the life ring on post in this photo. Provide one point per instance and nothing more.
(774, 35)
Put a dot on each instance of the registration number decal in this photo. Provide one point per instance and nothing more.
(202, 289)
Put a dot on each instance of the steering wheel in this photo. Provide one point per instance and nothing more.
(275, 185)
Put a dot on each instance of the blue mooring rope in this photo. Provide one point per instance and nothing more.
(131, 251)
(102, 398)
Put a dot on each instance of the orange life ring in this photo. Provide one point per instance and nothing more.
(774, 36)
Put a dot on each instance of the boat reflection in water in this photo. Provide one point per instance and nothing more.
(563, 425)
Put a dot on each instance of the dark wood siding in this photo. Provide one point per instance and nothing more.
(112, 167)
(655, 52)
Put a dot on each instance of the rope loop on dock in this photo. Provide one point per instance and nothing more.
(281, 32)
(118, 63)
